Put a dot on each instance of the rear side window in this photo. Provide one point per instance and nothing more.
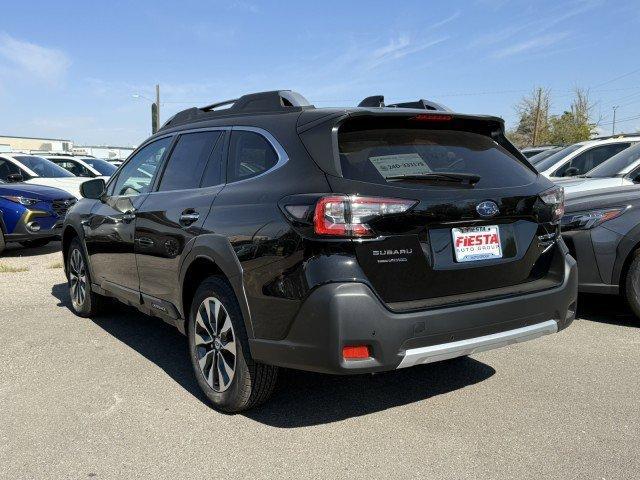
(250, 154)
(375, 155)
(188, 160)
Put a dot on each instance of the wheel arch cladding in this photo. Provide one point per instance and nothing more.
(67, 237)
(213, 255)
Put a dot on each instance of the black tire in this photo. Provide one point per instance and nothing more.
(2, 242)
(40, 242)
(90, 303)
(251, 383)
(632, 284)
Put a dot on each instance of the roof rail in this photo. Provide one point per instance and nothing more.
(374, 101)
(422, 104)
(617, 135)
(262, 102)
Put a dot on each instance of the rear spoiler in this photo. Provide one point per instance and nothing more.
(315, 130)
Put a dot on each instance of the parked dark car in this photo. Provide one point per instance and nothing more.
(333, 240)
(31, 214)
(602, 230)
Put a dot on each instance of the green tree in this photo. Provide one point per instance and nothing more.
(576, 124)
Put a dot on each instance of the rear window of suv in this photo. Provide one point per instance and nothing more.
(375, 155)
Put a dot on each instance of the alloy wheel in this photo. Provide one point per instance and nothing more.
(215, 344)
(77, 279)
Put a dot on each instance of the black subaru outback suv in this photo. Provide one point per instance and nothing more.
(273, 233)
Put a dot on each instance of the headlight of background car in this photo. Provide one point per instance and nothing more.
(591, 218)
(27, 202)
(554, 198)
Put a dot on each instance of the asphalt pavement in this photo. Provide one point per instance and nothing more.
(113, 397)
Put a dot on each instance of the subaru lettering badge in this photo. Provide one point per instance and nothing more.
(487, 209)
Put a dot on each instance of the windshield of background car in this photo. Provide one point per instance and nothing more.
(616, 164)
(538, 157)
(556, 157)
(42, 167)
(103, 167)
(375, 155)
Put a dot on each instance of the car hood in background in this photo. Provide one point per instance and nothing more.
(69, 184)
(39, 192)
(584, 184)
(602, 198)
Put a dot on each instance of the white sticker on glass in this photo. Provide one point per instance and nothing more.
(400, 164)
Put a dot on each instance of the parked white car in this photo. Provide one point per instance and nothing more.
(17, 167)
(579, 158)
(84, 166)
(620, 170)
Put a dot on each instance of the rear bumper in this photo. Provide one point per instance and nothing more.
(342, 314)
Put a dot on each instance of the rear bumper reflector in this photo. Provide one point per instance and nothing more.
(444, 351)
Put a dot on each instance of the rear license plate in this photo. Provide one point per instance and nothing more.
(476, 243)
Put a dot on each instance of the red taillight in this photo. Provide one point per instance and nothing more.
(356, 352)
(347, 216)
(425, 117)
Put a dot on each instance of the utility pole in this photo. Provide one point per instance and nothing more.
(155, 112)
(613, 127)
(537, 118)
(158, 104)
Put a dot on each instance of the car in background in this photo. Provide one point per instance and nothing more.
(115, 163)
(579, 158)
(531, 151)
(620, 170)
(84, 166)
(538, 157)
(18, 167)
(602, 231)
(31, 215)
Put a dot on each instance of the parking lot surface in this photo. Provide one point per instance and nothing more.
(114, 397)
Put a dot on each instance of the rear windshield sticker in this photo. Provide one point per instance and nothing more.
(400, 164)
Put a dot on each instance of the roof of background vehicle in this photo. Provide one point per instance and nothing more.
(588, 143)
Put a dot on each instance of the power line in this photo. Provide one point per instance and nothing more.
(616, 78)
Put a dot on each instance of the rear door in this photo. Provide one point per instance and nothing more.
(463, 236)
(173, 215)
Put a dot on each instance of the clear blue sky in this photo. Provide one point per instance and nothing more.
(70, 69)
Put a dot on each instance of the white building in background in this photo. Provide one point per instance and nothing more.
(35, 144)
(104, 151)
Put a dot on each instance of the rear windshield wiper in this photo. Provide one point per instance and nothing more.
(449, 177)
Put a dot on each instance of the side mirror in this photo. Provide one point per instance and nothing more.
(93, 189)
(14, 177)
(571, 172)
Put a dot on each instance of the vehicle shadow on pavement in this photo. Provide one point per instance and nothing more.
(611, 309)
(301, 399)
(152, 338)
(14, 250)
(305, 399)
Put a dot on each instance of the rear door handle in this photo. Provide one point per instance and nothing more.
(188, 217)
(145, 242)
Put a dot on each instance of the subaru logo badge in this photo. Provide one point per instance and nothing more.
(487, 209)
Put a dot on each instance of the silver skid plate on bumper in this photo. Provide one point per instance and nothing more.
(444, 351)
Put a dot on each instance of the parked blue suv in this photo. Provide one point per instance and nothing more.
(31, 214)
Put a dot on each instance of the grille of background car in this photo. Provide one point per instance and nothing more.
(60, 207)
